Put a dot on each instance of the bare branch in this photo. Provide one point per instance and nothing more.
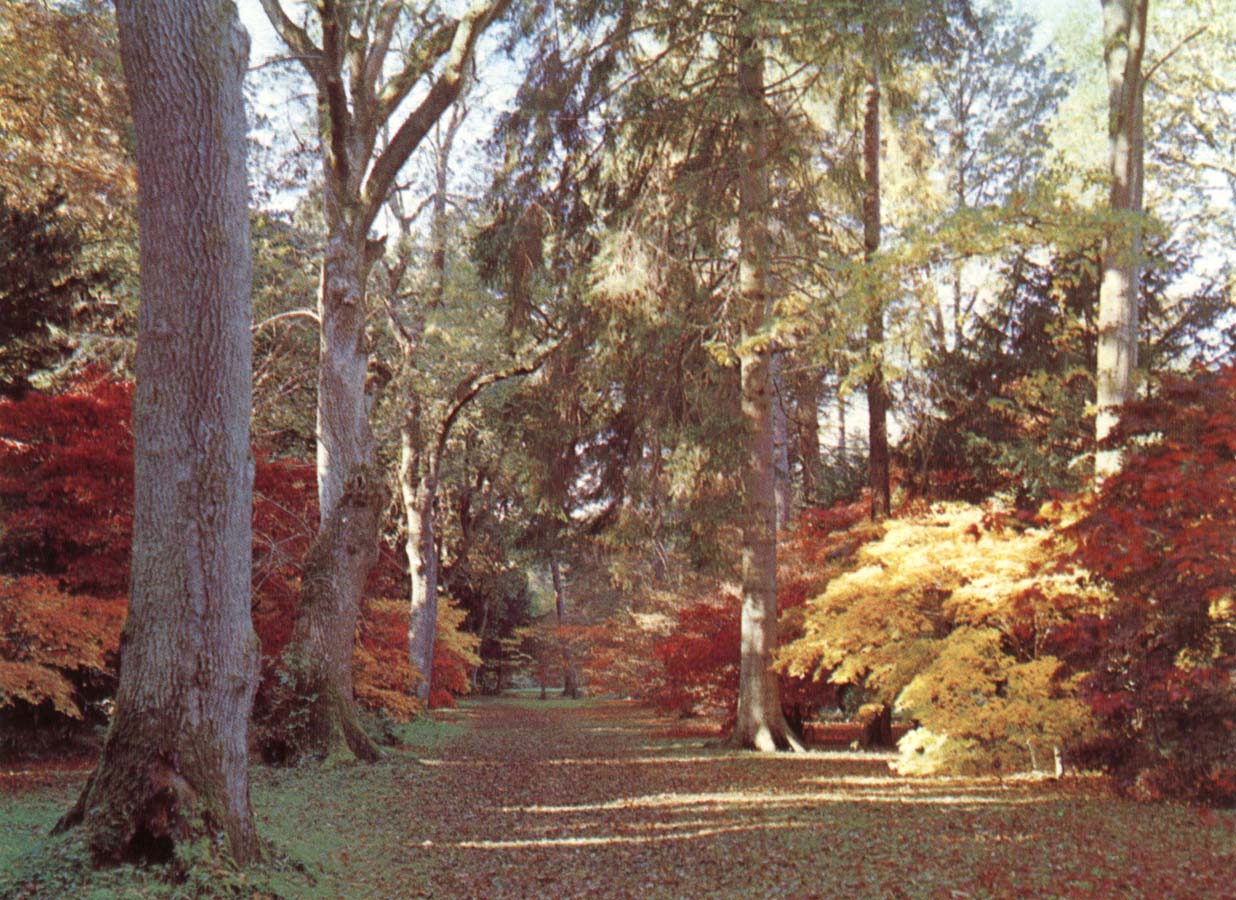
(1161, 61)
(470, 386)
(290, 314)
(296, 38)
(442, 94)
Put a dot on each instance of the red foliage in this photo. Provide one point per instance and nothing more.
(1161, 533)
(66, 488)
(700, 657)
(285, 515)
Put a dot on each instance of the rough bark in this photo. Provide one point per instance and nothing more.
(807, 432)
(1124, 41)
(174, 766)
(570, 671)
(320, 651)
(761, 723)
(877, 392)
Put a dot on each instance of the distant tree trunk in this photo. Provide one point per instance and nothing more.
(418, 469)
(570, 672)
(1124, 43)
(781, 446)
(877, 393)
(807, 432)
(418, 483)
(877, 722)
(842, 447)
(761, 723)
(174, 766)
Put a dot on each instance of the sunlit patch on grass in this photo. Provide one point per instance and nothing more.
(901, 792)
(615, 839)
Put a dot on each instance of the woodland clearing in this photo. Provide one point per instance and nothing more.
(520, 798)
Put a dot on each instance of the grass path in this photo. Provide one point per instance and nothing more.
(596, 801)
(519, 800)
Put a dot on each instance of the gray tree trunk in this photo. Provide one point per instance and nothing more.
(877, 392)
(358, 182)
(781, 446)
(1124, 42)
(346, 548)
(174, 766)
(419, 489)
(807, 432)
(761, 723)
(570, 671)
(319, 653)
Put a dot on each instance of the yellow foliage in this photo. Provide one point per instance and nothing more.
(451, 636)
(943, 615)
(63, 110)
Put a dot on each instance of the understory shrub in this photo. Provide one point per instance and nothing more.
(946, 617)
(66, 482)
(1161, 533)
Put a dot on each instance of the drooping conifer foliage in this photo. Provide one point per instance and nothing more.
(41, 283)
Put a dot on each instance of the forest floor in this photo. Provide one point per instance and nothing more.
(517, 799)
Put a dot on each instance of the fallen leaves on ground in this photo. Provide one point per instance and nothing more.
(566, 801)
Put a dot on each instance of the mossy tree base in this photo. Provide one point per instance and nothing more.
(144, 800)
(314, 711)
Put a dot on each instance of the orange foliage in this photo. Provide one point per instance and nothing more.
(53, 643)
(382, 673)
(455, 656)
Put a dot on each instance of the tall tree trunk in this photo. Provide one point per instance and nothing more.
(345, 550)
(842, 444)
(418, 483)
(877, 393)
(570, 672)
(361, 87)
(1124, 42)
(781, 446)
(807, 432)
(174, 766)
(761, 723)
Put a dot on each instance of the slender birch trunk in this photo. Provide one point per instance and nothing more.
(877, 392)
(1124, 43)
(807, 433)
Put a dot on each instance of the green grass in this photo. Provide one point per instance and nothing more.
(310, 818)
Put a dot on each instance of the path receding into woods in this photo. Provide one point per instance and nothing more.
(515, 799)
(561, 801)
